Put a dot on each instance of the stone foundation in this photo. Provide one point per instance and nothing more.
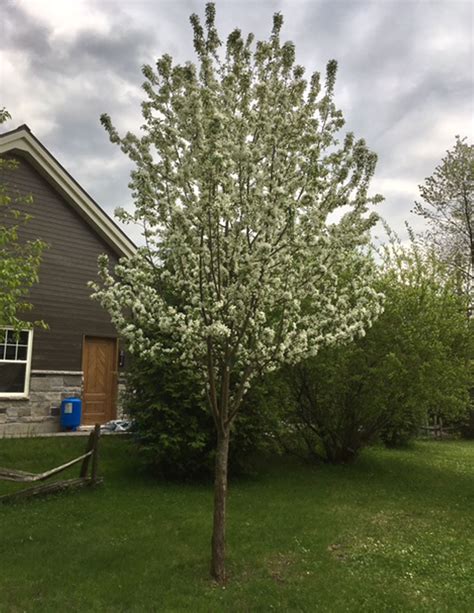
(39, 413)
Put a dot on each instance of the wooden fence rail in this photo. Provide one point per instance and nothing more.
(20, 476)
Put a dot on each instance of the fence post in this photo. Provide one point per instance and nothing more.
(95, 455)
(85, 462)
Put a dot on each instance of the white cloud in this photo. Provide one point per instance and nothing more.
(67, 17)
(394, 186)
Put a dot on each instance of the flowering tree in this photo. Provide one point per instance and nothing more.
(19, 260)
(238, 175)
(448, 206)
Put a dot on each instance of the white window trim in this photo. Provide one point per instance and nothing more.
(26, 393)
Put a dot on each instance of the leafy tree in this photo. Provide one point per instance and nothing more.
(239, 174)
(19, 260)
(412, 363)
(448, 206)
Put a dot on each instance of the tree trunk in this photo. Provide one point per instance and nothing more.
(220, 497)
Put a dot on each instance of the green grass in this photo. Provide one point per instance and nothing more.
(394, 532)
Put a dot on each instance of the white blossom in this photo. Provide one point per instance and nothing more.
(237, 175)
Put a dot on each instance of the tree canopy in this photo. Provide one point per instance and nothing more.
(19, 260)
(448, 206)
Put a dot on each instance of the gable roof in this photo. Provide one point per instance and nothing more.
(21, 141)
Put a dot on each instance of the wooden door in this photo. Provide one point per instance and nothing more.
(99, 365)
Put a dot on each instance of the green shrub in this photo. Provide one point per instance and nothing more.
(174, 429)
(412, 364)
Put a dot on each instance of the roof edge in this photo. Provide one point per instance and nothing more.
(23, 141)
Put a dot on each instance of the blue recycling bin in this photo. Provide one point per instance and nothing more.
(71, 412)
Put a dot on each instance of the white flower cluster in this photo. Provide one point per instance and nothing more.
(236, 176)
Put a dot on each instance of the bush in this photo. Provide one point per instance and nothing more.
(412, 364)
(332, 409)
(174, 429)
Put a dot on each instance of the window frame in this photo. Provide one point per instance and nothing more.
(29, 353)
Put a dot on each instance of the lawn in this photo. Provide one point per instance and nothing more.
(394, 532)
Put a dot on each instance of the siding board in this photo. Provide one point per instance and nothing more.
(62, 298)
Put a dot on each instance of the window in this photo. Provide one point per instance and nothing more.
(15, 362)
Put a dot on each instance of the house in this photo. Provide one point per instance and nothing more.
(79, 353)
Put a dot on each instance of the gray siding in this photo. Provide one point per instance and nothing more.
(62, 298)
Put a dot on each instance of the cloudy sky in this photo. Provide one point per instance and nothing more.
(405, 80)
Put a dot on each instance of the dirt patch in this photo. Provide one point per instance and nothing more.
(279, 566)
(339, 551)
